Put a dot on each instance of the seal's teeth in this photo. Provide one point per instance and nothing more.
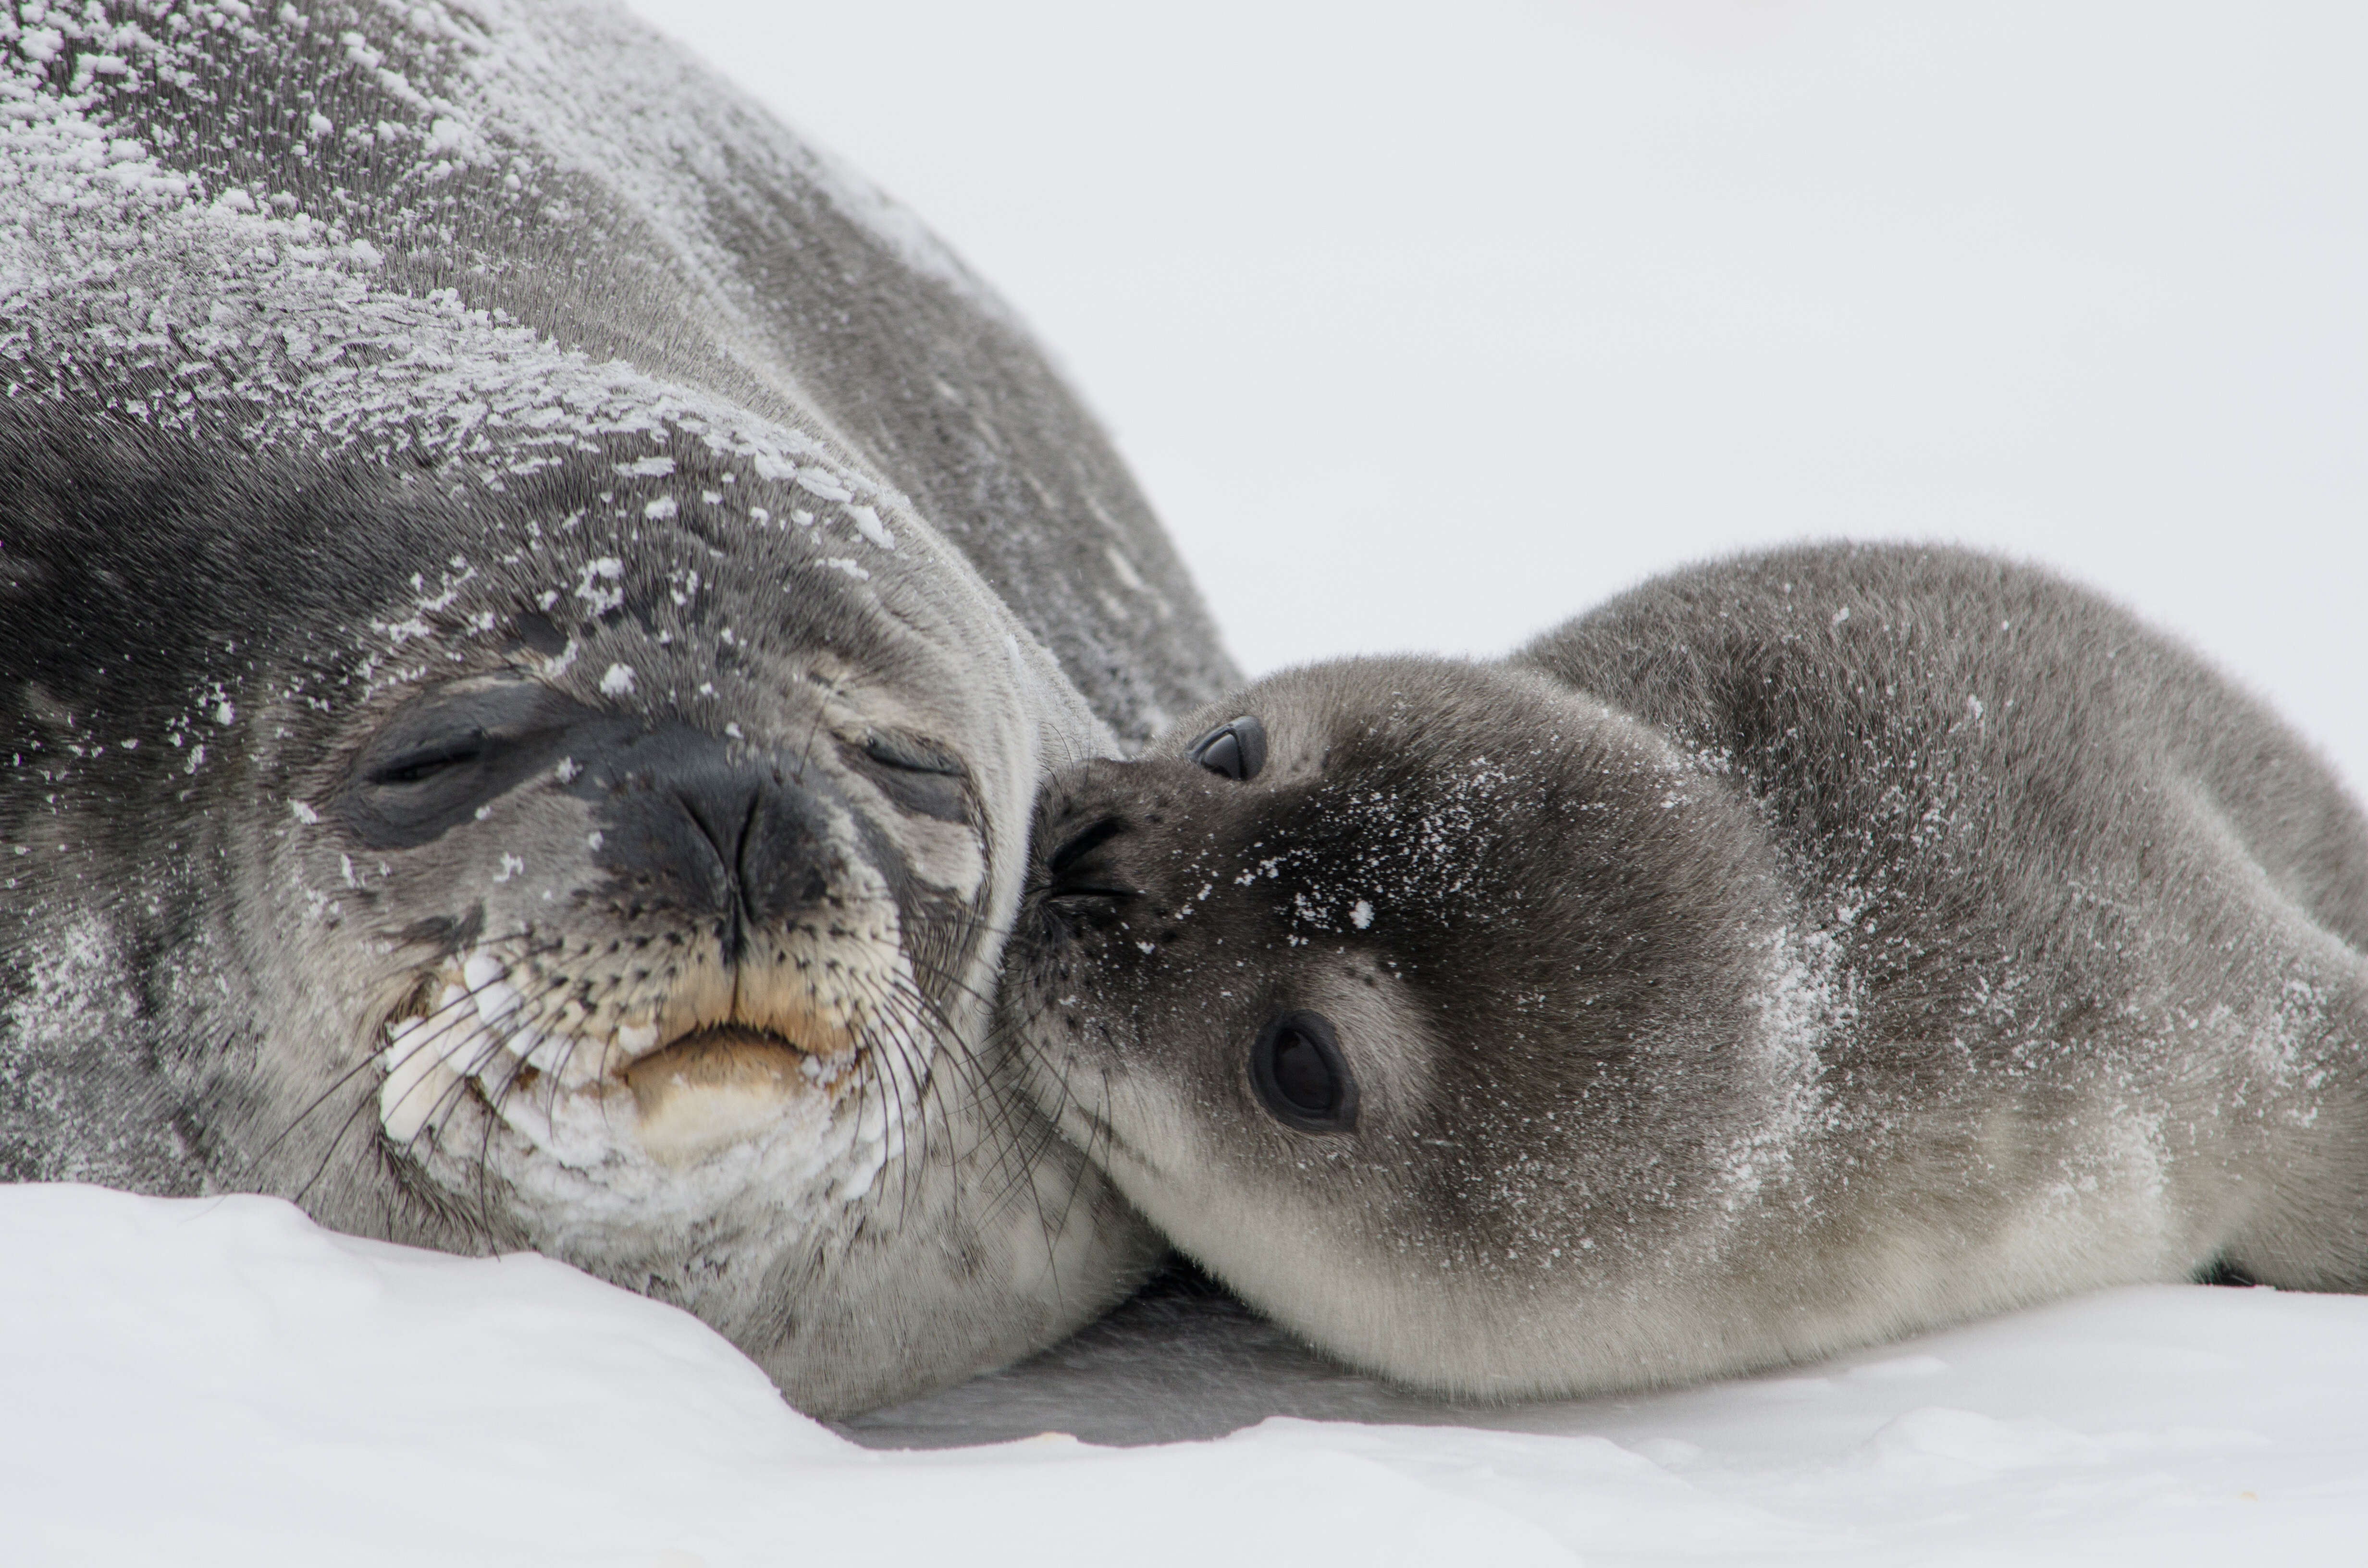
(497, 999)
(417, 1082)
(525, 1114)
(636, 1039)
(461, 1043)
(476, 1052)
(497, 1072)
(481, 969)
(572, 1060)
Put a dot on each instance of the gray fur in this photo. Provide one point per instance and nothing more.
(364, 362)
(1798, 951)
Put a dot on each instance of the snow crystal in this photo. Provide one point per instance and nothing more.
(821, 483)
(598, 600)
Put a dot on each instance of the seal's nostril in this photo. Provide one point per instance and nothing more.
(1081, 845)
(1076, 871)
(741, 847)
(713, 835)
(705, 816)
(708, 809)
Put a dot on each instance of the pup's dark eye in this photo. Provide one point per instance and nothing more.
(423, 763)
(1236, 749)
(1298, 1071)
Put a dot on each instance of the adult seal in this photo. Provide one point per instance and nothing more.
(1797, 952)
(536, 608)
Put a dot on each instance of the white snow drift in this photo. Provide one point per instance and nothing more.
(218, 1381)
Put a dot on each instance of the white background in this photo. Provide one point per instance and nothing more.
(1427, 326)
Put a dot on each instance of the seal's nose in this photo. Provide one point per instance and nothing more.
(734, 838)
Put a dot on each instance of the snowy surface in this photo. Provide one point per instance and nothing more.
(220, 1381)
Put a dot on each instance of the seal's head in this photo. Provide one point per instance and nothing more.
(529, 603)
(626, 884)
(1421, 1001)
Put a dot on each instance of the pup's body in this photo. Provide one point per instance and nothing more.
(1797, 952)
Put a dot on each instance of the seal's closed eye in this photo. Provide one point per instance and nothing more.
(436, 756)
(1236, 749)
(919, 776)
(441, 758)
(911, 753)
(1298, 1071)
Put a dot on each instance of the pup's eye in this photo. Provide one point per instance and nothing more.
(1236, 749)
(1299, 1073)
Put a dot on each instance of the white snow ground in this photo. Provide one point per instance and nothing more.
(200, 1382)
(1380, 298)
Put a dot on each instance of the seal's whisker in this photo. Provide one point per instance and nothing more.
(1022, 1175)
(329, 1153)
(459, 1008)
(886, 1085)
(1025, 1136)
(901, 1040)
(554, 995)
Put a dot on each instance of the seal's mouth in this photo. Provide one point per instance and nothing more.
(571, 1073)
(718, 1086)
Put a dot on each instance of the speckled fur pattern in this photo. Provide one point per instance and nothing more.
(1799, 952)
(362, 358)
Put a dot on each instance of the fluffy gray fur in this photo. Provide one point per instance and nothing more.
(487, 371)
(1799, 952)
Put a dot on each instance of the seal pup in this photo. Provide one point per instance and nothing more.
(1798, 952)
(535, 610)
